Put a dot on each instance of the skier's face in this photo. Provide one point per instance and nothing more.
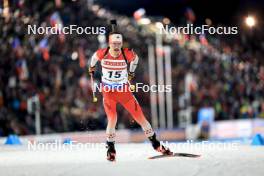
(115, 46)
(115, 42)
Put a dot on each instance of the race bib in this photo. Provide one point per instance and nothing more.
(114, 71)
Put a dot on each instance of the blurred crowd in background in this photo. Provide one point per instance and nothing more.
(228, 74)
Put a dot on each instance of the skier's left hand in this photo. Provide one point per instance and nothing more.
(131, 75)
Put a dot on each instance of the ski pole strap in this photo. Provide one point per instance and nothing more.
(106, 51)
(123, 53)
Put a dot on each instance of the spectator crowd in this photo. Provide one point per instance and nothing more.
(228, 74)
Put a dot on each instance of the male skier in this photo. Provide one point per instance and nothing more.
(115, 71)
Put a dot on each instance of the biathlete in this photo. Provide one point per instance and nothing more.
(118, 68)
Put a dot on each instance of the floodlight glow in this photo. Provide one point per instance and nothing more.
(250, 21)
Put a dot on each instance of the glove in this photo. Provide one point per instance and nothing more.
(131, 75)
(91, 70)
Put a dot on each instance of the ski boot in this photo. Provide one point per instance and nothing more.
(111, 152)
(158, 146)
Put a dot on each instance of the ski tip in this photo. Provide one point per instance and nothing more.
(187, 155)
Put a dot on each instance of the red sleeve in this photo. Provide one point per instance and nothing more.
(130, 54)
(100, 53)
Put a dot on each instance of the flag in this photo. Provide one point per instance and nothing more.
(58, 3)
(138, 14)
(44, 48)
(16, 43)
(55, 21)
(203, 40)
(1, 99)
(81, 57)
(191, 83)
(190, 15)
(6, 12)
(22, 69)
(58, 79)
(21, 3)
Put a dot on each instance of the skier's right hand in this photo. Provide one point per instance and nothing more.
(91, 70)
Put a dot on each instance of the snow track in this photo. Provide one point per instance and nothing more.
(132, 160)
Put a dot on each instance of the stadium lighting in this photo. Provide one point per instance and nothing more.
(159, 25)
(74, 56)
(144, 21)
(250, 21)
(166, 21)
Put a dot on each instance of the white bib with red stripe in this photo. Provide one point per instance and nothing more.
(114, 71)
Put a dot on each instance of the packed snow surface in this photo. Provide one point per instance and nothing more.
(132, 160)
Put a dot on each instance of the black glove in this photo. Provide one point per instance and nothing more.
(91, 70)
(131, 75)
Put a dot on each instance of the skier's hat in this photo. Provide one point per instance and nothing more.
(115, 37)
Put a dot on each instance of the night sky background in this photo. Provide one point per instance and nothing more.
(219, 11)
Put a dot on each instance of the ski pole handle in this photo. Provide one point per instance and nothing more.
(92, 85)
